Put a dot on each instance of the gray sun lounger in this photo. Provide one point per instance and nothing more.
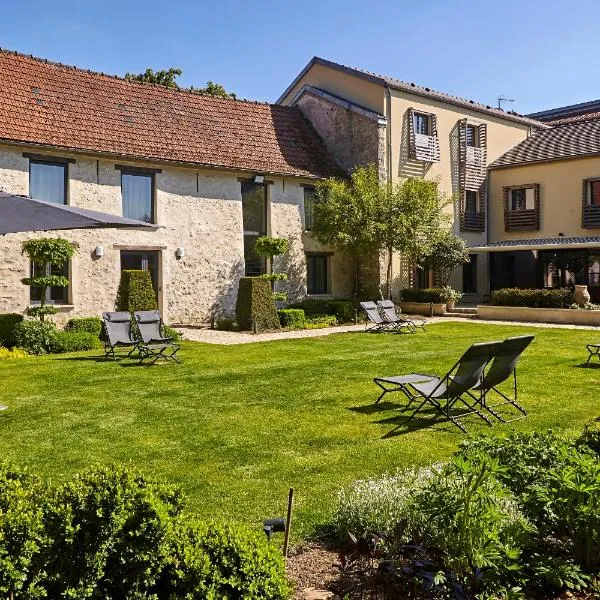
(443, 394)
(118, 333)
(390, 312)
(377, 322)
(502, 367)
(594, 350)
(155, 345)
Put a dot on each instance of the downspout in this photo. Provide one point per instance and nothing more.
(388, 167)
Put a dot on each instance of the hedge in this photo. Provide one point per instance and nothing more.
(111, 533)
(8, 322)
(422, 295)
(135, 292)
(343, 309)
(255, 308)
(539, 298)
(91, 325)
(293, 318)
(73, 341)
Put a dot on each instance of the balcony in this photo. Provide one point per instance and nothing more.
(472, 221)
(522, 220)
(591, 216)
(426, 148)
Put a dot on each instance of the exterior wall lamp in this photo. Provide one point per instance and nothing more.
(259, 179)
(180, 252)
(99, 252)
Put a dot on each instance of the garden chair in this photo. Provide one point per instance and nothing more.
(377, 323)
(391, 313)
(444, 393)
(594, 350)
(118, 333)
(155, 345)
(502, 367)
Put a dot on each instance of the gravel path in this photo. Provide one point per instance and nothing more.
(214, 336)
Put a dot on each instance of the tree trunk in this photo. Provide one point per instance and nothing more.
(389, 274)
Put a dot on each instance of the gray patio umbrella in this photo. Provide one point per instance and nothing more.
(20, 213)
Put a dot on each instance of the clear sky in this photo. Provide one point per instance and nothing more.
(542, 54)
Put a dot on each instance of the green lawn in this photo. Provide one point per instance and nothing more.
(236, 426)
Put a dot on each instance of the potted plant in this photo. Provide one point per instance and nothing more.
(450, 296)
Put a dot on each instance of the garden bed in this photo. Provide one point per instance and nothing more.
(428, 309)
(567, 316)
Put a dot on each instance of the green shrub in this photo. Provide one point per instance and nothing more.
(110, 534)
(320, 322)
(171, 332)
(344, 310)
(8, 353)
(91, 325)
(590, 438)
(292, 318)
(226, 324)
(8, 322)
(21, 533)
(255, 308)
(544, 298)
(135, 292)
(35, 337)
(427, 295)
(73, 341)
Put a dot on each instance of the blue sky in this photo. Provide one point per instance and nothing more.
(542, 54)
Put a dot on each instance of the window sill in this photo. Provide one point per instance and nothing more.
(328, 295)
(57, 306)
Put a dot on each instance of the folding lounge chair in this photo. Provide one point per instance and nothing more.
(118, 333)
(503, 366)
(594, 350)
(390, 312)
(444, 393)
(155, 345)
(375, 321)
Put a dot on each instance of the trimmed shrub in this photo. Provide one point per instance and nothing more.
(35, 337)
(293, 318)
(422, 295)
(171, 332)
(590, 437)
(226, 324)
(73, 341)
(8, 322)
(342, 309)
(12, 353)
(545, 298)
(135, 292)
(91, 325)
(255, 307)
(320, 321)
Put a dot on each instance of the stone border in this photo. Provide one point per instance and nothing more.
(566, 316)
(428, 309)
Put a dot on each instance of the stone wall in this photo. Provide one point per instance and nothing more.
(200, 210)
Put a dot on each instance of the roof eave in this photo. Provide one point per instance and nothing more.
(494, 167)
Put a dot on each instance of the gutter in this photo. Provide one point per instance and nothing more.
(388, 133)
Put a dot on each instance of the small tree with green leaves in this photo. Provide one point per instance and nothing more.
(44, 253)
(270, 247)
(165, 77)
(447, 253)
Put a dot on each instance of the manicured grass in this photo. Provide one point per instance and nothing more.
(236, 426)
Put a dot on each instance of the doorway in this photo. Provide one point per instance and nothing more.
(142, 260)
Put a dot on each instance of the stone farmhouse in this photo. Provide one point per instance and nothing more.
(215, 173)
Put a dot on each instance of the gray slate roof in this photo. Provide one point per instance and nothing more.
(413, 88)
(533, 242)
(558, 143)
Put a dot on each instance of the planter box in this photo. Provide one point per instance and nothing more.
(423, 308)
(567, 316)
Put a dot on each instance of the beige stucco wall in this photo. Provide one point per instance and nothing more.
(201, 211)
(561, 184)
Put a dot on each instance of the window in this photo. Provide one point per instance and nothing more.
(317, 273)
(309, 208)
(54, 295)
(470, 275)
(472, 136)
(471, 201)
(48, 181)
(522, 199)
(254, 216)
(421, 123)
(594, 193)
(137, 191)
(141, 260)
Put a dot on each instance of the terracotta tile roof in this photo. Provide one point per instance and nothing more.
(419, 90)
(69, 108)
(557, 143)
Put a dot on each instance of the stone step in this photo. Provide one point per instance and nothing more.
(460, 315)
(463, 310)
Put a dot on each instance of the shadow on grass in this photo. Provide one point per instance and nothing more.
(586, 365)
(371, 409)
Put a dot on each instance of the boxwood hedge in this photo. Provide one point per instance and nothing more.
(255, 307)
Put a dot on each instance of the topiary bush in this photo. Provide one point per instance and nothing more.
(427, 295)
(73, 341)
(292, 318)
(226, 324)
(544, 298)
(135, 292)
(255, 308)
(91, 325)
(35, 337)
(8, 322)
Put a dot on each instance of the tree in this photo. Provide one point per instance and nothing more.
(270, 247)
(447, 252)
(45, 253)
(167, 78)
(366, 215)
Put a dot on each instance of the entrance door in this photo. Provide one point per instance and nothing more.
(141, 260)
